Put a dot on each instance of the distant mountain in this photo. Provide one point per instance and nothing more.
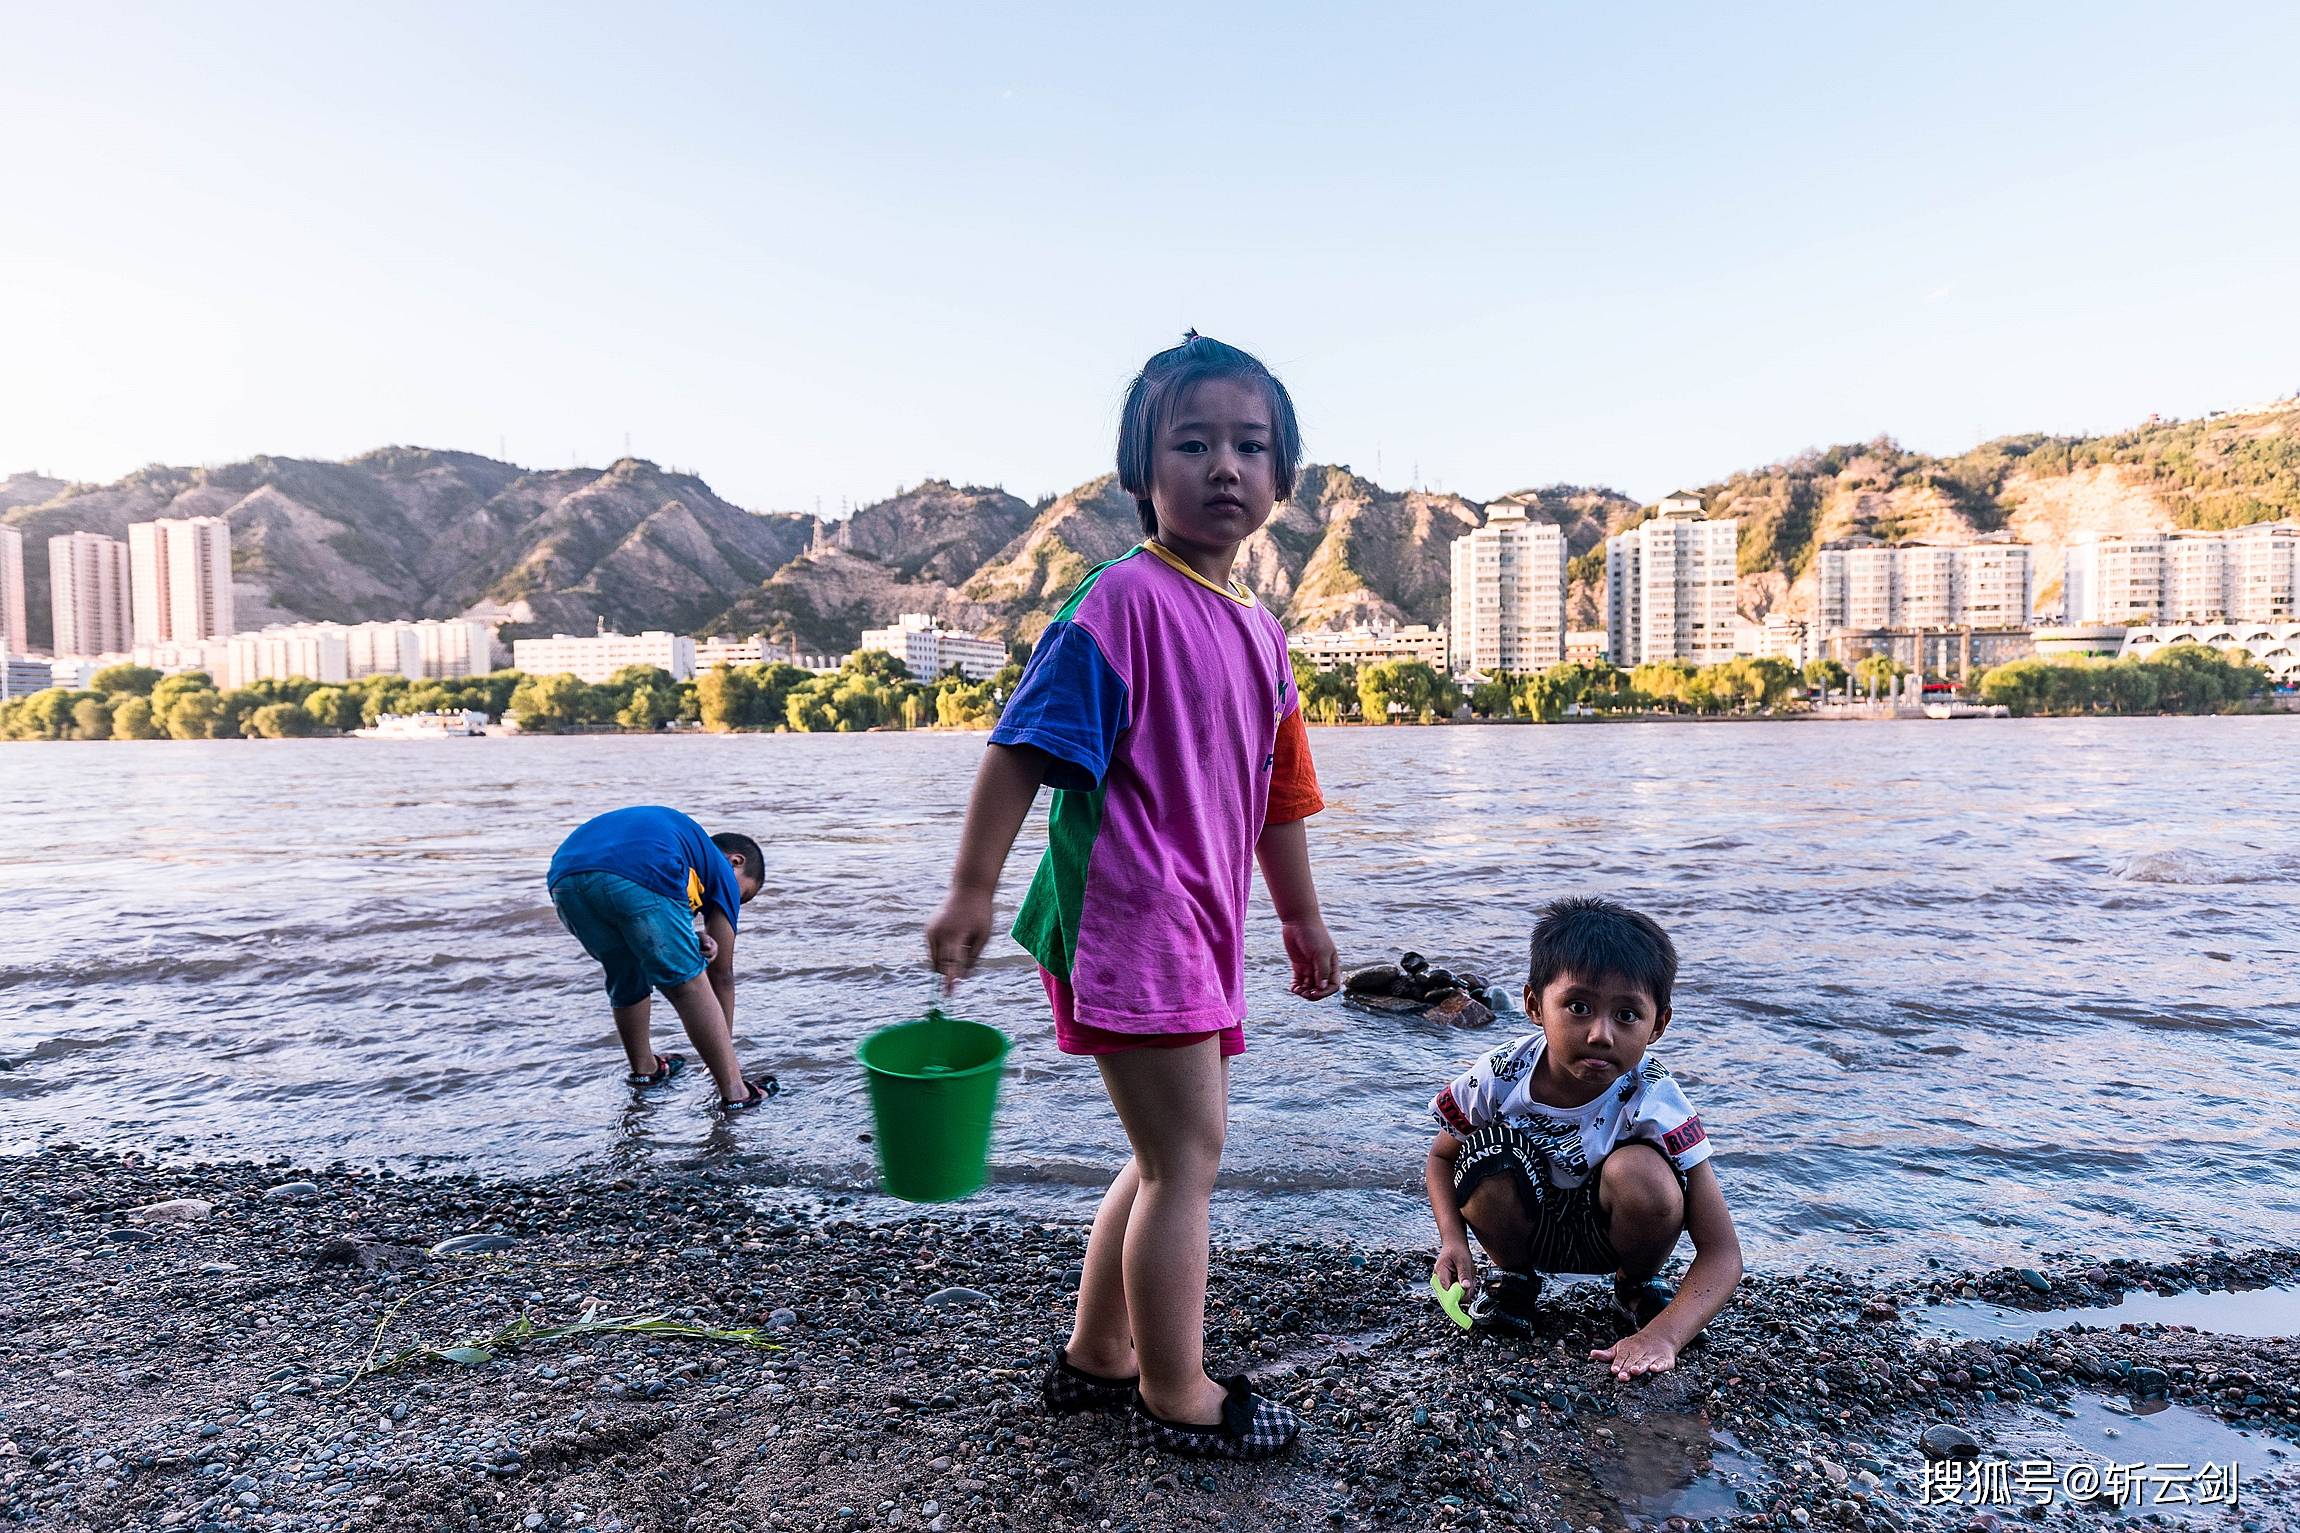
(413, 532)
(408, 531)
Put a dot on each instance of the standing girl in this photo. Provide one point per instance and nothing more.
(1160, 707)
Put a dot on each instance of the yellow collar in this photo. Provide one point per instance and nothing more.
(1237, 590)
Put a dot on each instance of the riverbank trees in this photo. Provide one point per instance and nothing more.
(2183, 678)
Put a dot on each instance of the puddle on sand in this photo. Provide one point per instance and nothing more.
(2176, 1440)
(1653, 1467)
(2237, 1312)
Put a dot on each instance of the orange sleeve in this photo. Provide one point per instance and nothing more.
(1294, 791)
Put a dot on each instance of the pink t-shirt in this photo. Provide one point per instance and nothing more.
(1160, 698)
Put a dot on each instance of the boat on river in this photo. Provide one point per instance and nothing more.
(441, 724)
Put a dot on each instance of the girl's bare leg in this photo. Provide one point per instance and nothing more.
(1174, 1104)
(1101, 1339)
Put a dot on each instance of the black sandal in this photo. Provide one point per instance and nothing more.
(1069, 1390)
(666, 1066)
(761, 1088)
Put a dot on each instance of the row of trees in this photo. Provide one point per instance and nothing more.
(875, 691)
(134, 702)
(2184, 678)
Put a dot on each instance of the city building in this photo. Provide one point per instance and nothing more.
(713, 652)
(22, 675)
(180, 579)
(598, 657)
(310, 651)
(1864, 584)
(454, 646)
(1933, 651)
(1587, 646)
(427, 649)
(15, 623)
(1336, 647)
(88, 594)
(2274, 645)
(1508, 593)
(2103, 641)
(929, 650)
(2240, 574)
(1781, 637)
(1669, 586)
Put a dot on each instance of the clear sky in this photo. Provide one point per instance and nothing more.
(814, 252)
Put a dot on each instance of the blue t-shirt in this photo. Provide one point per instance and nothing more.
(658, 849)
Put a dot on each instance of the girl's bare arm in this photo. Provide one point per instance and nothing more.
(1004, 787)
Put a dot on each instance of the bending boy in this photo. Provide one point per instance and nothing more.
(656, 902)
(1572, 1150)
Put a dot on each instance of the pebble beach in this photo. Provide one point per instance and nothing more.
(197, 1346)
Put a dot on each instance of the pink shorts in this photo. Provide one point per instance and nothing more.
(1072, 1036)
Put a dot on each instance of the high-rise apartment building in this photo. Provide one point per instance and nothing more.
(1669, 586)
(1508, 593)
(14, 623)
(180, 579)
(88, 593)
(1871, 586)
(2243, 574)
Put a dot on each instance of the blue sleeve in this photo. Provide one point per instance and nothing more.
(1070, 704)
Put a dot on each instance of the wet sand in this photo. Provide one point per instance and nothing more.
(193, 1368)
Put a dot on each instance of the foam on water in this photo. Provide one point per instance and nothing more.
(1927, 1009)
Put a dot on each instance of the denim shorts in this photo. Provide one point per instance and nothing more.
(644, 940)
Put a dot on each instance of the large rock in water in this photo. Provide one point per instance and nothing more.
(1413, 989)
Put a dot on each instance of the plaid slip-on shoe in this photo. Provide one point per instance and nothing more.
(1252, 1427)
(1072, 1391)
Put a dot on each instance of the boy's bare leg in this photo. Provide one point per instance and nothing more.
(1174, 1104)
(1497, 1218)
(1101, 1339)
(631, 1025)
(706, 1025)
(1644, 1207)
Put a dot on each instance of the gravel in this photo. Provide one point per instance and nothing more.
(204, 1379)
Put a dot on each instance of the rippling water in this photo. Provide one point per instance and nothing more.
(1971, 990)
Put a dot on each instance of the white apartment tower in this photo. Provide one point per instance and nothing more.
(927, 649)
(1867, 586)
(14, 626)
(1669, 586)
(88, 593)
(180, 576)
(1508, 593)
(2241, 575)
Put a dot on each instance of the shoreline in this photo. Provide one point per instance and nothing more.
(193, 1367)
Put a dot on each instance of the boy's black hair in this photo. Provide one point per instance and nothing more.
(1164, 379)
(733, 841)
(1594, 939)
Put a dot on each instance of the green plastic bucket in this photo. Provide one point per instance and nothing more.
(933, 1092)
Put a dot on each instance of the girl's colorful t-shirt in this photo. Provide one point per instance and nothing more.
(1167, 704)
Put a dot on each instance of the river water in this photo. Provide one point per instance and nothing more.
(1974, 990)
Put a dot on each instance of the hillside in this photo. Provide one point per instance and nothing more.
(2226, 470)
(415, 532)
(412, 531)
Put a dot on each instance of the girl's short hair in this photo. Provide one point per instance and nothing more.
(1159, 387)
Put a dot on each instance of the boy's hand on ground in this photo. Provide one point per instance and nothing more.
(1456, 1265)
(1640, 1353)
(1317, 967)
(955, 935)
